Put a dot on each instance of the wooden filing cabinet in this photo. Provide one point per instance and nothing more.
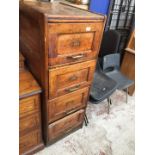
(61, 45)
(30, 133)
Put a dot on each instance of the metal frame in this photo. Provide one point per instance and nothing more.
(121, 18)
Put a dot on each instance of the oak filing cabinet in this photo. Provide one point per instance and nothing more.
(30, 133)
(61, 45)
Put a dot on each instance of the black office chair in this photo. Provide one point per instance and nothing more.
(111, 67)
(102, 87)
(110, 43)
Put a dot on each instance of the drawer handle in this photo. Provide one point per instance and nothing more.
(69, 112)
(76, 56)
(73, 89)
(72, 78)
(75, 43)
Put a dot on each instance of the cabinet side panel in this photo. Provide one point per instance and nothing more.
(32, 44)
(33, 47)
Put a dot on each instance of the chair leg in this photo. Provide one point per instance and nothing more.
(86, 120)
(126, 95)
(108, 105)
(110, 102)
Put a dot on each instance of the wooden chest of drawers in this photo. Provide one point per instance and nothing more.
(30, 132)
(61, 44)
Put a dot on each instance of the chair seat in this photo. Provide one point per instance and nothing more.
(122, 81)
(102, 87)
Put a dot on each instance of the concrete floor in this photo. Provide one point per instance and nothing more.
(111, 134)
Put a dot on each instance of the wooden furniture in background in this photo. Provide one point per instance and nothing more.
(30, 134)
(128, 64)
(131, 43)
(61, 44)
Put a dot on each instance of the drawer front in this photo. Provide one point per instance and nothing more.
(67, 104)
(29, 141)
(27, 124)
(29, 105)
(65, 125)
(73, 42)
(70, 78)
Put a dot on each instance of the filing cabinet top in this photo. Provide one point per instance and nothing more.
(60, 10)
(27, 84)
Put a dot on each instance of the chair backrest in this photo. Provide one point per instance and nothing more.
(111, 62)
(110, 43)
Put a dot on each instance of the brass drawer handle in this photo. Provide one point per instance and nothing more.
(72, 78)
(75, 43)
(71, 111)
(76, 56)
(73, 89)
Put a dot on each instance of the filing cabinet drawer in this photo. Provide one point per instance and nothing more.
(29, 141)
(29, 105)
(64, 80)
(73, 42)
(29, 123)
(65, 125)
(67, 104)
